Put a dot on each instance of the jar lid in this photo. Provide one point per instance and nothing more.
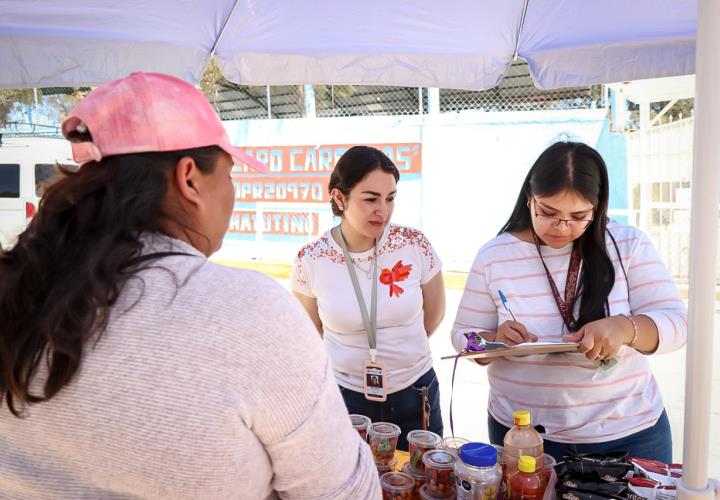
(396, 482)
(478, 455)
(385, 429)
(360, 421)
(388, 466)
(453, 443)
(439, 459)
(410, 471)
(426, 439)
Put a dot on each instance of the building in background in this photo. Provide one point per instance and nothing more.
(462, 154)
(659, 126)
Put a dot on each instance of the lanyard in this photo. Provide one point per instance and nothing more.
(565, 306)
(371, 322)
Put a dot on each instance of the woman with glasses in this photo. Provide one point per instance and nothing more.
(571, 275)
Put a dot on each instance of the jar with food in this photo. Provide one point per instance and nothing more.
(440, 473)
(419, 442)
(389, 467)
(453, 444)
(425, 495)
(419, 478)
(396, 486)
(361, 423)
(383, 438)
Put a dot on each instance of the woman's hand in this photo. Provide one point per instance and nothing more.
(602, 339)
(512, 333)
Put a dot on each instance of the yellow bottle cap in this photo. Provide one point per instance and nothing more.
(526, 464)
(521, 417)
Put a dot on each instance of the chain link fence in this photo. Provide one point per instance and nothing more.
(369, 100)
(37, 112)
(243, 102)
(47, 107)
(517, 92)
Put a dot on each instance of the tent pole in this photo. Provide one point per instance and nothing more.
(703, 255)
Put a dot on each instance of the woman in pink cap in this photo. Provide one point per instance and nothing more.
(139, 368)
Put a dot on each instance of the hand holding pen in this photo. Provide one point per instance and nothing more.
(512, 332)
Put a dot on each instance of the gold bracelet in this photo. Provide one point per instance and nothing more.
(635, 330)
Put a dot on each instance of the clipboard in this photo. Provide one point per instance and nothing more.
(499, 349)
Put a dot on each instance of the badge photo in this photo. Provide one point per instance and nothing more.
(374, 381)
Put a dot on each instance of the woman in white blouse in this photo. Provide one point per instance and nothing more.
(402, 267)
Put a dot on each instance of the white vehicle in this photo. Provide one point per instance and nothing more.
(27, 165)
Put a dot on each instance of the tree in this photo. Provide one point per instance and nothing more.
(212, 80)
(10, 99)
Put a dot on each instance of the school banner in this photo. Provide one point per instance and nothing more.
(322, 159)
(303, 223)
(299, 175)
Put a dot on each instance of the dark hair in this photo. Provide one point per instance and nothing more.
(578, 167)
(352, 167)
(67, 269)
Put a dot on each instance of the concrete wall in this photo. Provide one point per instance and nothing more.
(473, 165)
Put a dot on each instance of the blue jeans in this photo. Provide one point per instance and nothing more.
(402, 408)
(654, 443)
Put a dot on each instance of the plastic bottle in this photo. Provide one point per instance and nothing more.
(477, 473)
(522, 439)
(525, 483)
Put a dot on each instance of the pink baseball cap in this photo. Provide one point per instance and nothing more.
(146, 112)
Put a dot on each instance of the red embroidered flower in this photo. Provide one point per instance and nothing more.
(389, 277)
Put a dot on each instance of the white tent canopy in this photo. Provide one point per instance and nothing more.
(451, 44)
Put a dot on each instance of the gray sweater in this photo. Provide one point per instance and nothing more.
(209, 383)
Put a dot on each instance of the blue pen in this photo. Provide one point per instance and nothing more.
(504, 301)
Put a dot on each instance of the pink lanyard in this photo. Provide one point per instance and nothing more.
(564, 306)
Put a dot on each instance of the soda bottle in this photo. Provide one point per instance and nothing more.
(522, 439)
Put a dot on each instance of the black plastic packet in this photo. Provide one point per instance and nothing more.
(572, 489)
(593, 476)
(595, 467)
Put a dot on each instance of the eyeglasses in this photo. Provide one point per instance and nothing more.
(572, 224)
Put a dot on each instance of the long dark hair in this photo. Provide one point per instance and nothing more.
(577, 167)
(67, 269)
(353, 166)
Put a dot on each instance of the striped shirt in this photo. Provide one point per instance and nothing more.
(574, 400)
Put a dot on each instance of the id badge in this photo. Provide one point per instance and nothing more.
(374, 378)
